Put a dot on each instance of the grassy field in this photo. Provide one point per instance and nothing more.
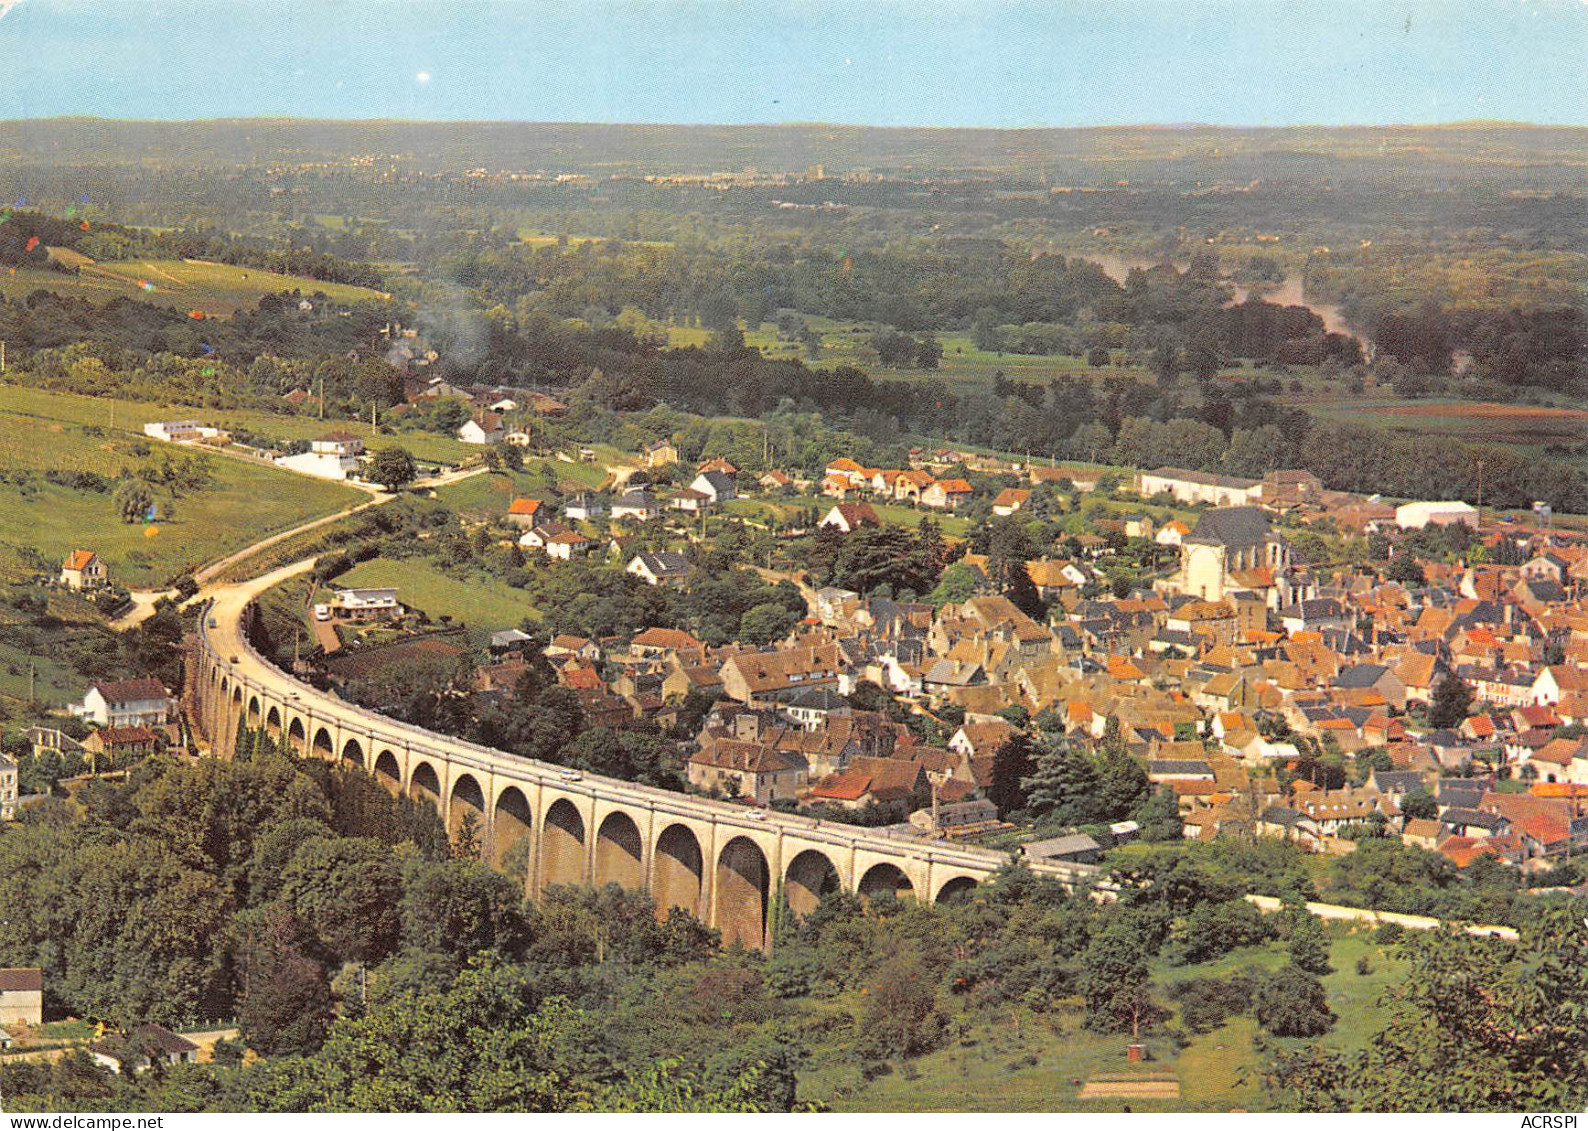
(241, 503)
(53, 681)
(133, 415)
(1018, 1061)
(217, 289)
(1353, 997)
(1023, 1061)
(485, 606)
(849, 343)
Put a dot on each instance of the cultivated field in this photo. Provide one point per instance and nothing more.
(1521, 425)
(217, 289)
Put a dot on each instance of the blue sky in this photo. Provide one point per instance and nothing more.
(877, 62)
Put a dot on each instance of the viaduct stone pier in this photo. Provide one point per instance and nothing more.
(723, 862)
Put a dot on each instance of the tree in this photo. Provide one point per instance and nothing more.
(1451, 699)
(1308, 946)
(476, 1045)
(132, 501)
(1063, 784)
(1420, 804)
(346, 891)
(461, 907)
(1404, 569)
(287, 1004)
(1013, 763)
(1122, 782)
(767, 622)
(504, 457)
(1292, 1003)
(466, 841)
(957, 584)
(1215, 929)
(393, 468)
(1159, 816)
(1165, 364)
(1477, 1024)
(1114, 981)
(1206, 1003)
(902, 1018)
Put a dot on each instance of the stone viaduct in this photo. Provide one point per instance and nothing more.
(725, 863)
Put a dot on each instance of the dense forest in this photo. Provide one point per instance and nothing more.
(372, 964)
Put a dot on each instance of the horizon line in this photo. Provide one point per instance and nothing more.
(1461, 123)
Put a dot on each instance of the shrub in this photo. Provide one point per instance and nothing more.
(1292, 1003)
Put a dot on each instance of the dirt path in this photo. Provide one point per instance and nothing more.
(776, 575)
(211, 571)
(144, 600)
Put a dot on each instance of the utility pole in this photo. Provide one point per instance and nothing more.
(2, 355)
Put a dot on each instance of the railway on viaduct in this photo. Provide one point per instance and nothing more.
(726, 863)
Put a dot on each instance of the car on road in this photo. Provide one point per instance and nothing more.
(322, 612)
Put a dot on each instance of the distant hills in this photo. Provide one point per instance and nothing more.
(1056, 154)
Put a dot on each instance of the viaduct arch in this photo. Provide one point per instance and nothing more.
(731, 865)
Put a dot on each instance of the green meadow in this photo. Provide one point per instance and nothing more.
(239, 503)
(217, 289)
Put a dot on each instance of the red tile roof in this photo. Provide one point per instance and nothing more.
(21, 979)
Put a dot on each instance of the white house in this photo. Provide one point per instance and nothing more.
(486, 428)
(830, 602)
(583, 507)
(141, 1047)
(333, 456)
(82, 570)
(688, 499)
(22, 996)
(126, 703)
(848, 517)
(364, 604)
(717, 486)
(8, 788)
(639, 505)
(1172, 534)
(567, 545)
(664, 567)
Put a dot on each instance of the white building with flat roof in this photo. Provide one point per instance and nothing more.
(1415, 516)
(365, 604)
(182, 431)
(333, 456)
